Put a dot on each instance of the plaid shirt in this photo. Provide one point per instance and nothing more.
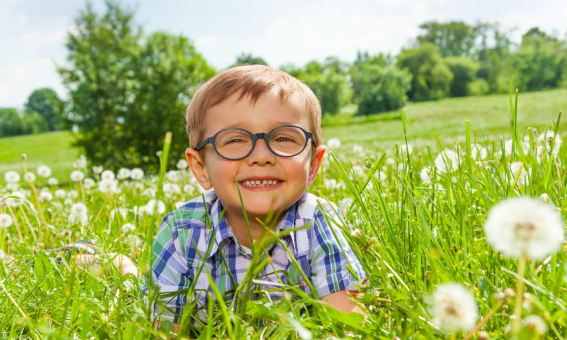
(183, 240)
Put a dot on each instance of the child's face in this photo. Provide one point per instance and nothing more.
(292, 174)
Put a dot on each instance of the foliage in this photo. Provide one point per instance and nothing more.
(248, 59)
(431, 76)
(128, 88)
(13, 123)
(46, 102)
(464, 73)
(384, 89)
(453, 39)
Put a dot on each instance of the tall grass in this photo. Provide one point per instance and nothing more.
(409, 235)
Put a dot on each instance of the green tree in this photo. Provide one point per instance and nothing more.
(10, 123)
(248, 59)
(33, 122)
(46, 102)
(453, 39)
(464, 71)
(128, 89)
(384, 89)
(356, 71)
(431, 76)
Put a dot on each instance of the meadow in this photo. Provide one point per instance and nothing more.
(439, 218)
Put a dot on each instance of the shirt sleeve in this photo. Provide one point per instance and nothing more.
(170, 272)
(331, 253)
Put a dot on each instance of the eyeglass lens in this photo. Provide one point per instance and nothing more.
(284, 141)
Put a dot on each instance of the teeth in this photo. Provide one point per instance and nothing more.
(259, 183)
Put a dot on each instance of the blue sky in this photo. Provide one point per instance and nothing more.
(32, 32)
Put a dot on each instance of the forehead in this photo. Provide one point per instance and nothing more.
(268, 112)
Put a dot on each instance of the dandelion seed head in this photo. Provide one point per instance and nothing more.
(179, 204)
(453, 308)
(447, 161)
(330, 183)
(88, 183)
(182, 164)
(478, 152)
(523, 174)
(357, 149)
(544, 197)
(524, 225)
(151, 206)
(52, 181)
(137, 174)
(108, 186)
(29, 177)
(123, 174)
(12, 177)
(5, 221)
(43, 171)
(73, 194)
(403, 149)
(172, 176)
(60, 193)
(536, 323)
(45, 197)
(425, 175)
(81, 163)
(128, 228)
(77, 175)
(333, 143)
(97, 169)
(107, 175)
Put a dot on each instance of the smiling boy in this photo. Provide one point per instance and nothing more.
(262, 127)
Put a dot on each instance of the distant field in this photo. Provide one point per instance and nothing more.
(488, 115)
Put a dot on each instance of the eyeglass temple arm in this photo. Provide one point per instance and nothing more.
(205, 142)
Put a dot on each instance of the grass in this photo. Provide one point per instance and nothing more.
(412, 237)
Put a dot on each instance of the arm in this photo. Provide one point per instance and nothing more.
(342, 301)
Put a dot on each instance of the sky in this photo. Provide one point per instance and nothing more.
(33, 32)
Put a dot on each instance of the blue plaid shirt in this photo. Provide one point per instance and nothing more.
(181, 248)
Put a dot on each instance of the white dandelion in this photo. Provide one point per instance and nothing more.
(151, 206)
(52, 181)
(536, 323)
(172, 175)
(128, 228)
(403, 149)
(345, 204)
(122, 211)
(108, 186)
(107, 175)
(453, 308)
(88, 183)
(29, 177)
(97, 169)
(357, 149)
(77, 175)
(150, 192)
(68, 201)
(510, 142)
(333, 143)
(447, 161)
(522, 177)
(79, 212)
(81, 163)
(123, 174)
(43, 171)
(425, 175)
(478, 152)
(182, 164)
(179, 204)
(390, 161)
(73, 194)
(188, 188)
(544, 197)
(5, 221)
(171, 188)
(137, 174)
(524, 226)
(15, 201)
(358, 170)
(330, 183)
(60, 193)
(45, 197)
(12, 177)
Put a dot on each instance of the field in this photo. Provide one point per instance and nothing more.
(448, 247)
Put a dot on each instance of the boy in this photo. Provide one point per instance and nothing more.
(261, 127)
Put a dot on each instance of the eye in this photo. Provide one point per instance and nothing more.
(234, 140)
(283, 139)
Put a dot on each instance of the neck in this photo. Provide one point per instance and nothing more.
(257, 230)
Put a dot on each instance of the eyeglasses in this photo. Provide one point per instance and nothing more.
(234, 143)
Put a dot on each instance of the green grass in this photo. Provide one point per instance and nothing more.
(52, 148)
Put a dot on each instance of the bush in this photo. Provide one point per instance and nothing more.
(384, 89)
(46, 102)
(431, 76)
(329, 84)
(477, 87)
(464, 72)
(13, 123)
(33, 122)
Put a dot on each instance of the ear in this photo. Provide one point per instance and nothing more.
(315, 163)
(198, 168)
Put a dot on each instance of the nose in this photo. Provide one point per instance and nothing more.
(261, 154)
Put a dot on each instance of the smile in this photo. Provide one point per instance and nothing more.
(266, 184)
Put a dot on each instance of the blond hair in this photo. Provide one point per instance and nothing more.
(250, 81)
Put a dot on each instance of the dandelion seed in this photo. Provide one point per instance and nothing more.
(43, 171)
(60, 193)
(524, 226)
(52, 181)
(128, 228)
(29, 177)
(77, 175)
(88, 183)
(333, 143)
(425, 175)
(5, 221)
(522, 177)
(182, 164)
(12, 177)
(137, 174)
(536, 323)
(107, 175)
(544, 197)
(45, 197)
(123, 174)
(447, 161)
(97, 169)
(453, 308)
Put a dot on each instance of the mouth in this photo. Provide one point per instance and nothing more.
(260, 184)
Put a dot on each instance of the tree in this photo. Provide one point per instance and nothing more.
(453, 39)
(248, 59)
(384, 89)
(128, 89)
(356, 71)
(46, 102)
(464, 71)
(10, 123)
(431, 76)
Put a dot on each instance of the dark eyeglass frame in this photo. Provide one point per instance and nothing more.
(255, 137)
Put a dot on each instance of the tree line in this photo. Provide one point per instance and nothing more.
(128, 87)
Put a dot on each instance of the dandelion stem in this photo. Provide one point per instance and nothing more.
(485, 319)
(35, 194)
(16, 224)
(519, 294)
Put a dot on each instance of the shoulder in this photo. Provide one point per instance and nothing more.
(313, 207)
(192, 214)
